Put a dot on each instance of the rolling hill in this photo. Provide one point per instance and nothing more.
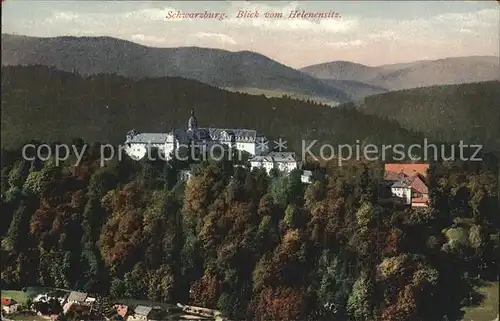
(468, 112)
(448, 71)
(221, 68)
(356, 90)
(46, 104)
(243, 71)
(343, 70)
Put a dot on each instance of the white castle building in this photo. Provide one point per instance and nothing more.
(282, 161)
(247, 140)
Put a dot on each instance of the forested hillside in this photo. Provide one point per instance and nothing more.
(468, 112)
(254, 246)
(50, 105)
(216, 67)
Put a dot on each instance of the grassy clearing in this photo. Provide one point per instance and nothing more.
(19, 296)
(23, 296)
(488, 309)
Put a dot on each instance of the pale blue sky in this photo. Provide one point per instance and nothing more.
(369, 32)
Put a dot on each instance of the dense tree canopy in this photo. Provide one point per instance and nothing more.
(252, 245)
(465, 112)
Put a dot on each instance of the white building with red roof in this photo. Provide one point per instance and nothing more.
(9, 305)
(408, 182)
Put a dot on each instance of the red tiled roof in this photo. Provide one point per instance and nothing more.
(392, 170)
(394, 176)
(419, 185)
(8, 301)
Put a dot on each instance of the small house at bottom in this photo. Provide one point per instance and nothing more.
(9, 305)
(80, 297)
(185, 175)
(147, 313)
(306, 177)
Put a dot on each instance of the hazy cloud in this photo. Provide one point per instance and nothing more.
(218, 37)
(65, 16)
(481, 18)
(347, 44)
(148, 39)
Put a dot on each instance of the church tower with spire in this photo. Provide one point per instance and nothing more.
(192, 125)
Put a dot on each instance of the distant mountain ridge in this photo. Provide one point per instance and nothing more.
(216, 67)
(244, 71)
(342, 70)
(447, 71)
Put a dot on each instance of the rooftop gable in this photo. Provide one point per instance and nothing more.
(261, 158)
(142, 310)
(399, 184)
(419, 185)
(307, 173)
(409, 170)
(150, 138)
(6, 301)
(240, 135)
(77, 296)
(283, 156)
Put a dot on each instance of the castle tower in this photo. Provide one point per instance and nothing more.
(192, 123)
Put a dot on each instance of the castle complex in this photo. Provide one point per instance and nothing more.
(249, 141)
